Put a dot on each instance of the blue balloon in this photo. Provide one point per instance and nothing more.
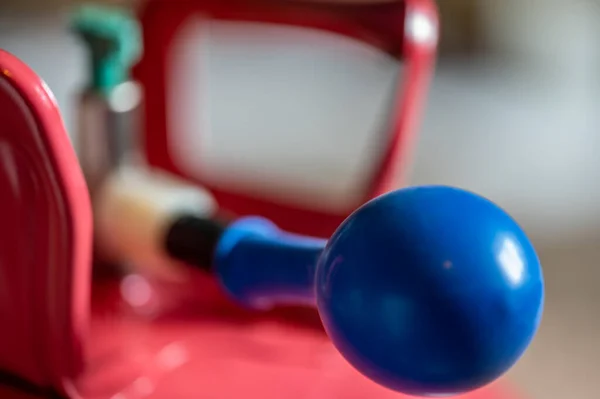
(427, 290)
(430, 290)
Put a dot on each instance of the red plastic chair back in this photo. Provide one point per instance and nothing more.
(45, 235)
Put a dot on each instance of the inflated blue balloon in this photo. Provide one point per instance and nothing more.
(426, 290)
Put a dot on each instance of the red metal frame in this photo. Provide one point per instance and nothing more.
(382, 26)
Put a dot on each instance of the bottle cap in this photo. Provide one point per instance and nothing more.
(113, 38)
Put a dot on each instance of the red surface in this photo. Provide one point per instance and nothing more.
(210, 349)
(382, 26)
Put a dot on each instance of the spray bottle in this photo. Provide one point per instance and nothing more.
(108, 106)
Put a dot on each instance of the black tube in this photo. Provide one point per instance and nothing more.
(193, 240)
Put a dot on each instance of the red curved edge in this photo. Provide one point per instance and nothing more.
(413, 91)
(64, 292)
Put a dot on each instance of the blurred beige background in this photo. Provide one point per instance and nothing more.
(513, 113)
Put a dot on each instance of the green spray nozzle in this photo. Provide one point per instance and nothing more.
(113, 38)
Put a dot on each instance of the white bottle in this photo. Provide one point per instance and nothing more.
(133, 211)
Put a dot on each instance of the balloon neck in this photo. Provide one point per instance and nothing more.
(261, 266)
